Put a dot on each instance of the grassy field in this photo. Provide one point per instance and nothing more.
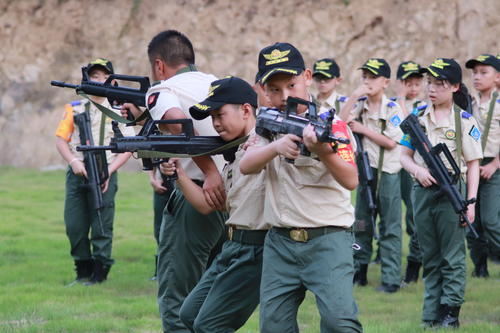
(35, 266)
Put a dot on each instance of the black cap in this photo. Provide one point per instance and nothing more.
(229, 90)
(484, 59)
(100, 63)
(445, 69)
(279, 58)
(326, 67)
(408, 68)
(378, 67)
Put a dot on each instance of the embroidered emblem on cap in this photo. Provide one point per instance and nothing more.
(475, 133)
(482, 58)
(202, 107)
(450, 134)
(410, 67)
(323, 65)
(439, 63)
(276, 56)
(211, 90)
(374, 63)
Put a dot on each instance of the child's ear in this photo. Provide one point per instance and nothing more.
(247, 110)
(340, 79)
(308, 77)
(386, 82)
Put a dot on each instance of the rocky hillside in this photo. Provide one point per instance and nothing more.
(42, 40)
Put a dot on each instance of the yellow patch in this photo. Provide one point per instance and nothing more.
(482, 58)
(374, 63)
(450, 134)
(211, 90)
(323, 65)
(410, 67)
(99, 61)
(439, 63)
(202, 107)
(276, 56)
(432, 72)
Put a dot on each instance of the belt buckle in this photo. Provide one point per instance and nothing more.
(299, 235)
(230, 233)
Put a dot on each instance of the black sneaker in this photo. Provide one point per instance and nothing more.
(83, 270)
(99, 273)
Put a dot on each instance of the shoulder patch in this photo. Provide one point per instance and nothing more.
(395, 120)
(342, 99)
(152, 99)
(421, 107)
(498, 100)
(391, 104)
(364, 98)
(393, 98)
(75, 103)
(466, 115)
(475, 133)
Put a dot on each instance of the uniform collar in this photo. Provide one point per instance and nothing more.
(188, 68)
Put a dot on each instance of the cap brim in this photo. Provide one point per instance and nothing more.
(287, 70)
(407, 74)
(201, 110)
(323, 73)
(371, 70)
(472, 62)
(97, 66)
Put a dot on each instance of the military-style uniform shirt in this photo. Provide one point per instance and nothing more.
(69, 131)
(391, 113)
(480, 111)
(330, 102)
(245, 195)
(305, 194)
(445, 132)
(182, 91)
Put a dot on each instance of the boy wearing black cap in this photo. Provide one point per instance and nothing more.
(486, 110)
(228, 292)
(309, 246)
(326, 75)
(439, 229)
(409, 86)
(376, 118)
(92, 255)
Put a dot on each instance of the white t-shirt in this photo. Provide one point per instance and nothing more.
(182, 91)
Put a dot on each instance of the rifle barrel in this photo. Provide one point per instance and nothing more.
(63, 84)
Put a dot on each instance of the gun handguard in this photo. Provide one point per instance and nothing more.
(446, 180)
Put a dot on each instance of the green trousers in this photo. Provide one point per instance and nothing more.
(322, 265)
(81, 219)
(228, 291)
(159, 203)
(390, 232)
(442, 244)
(406, 188)
(487, 222)
(186, 239)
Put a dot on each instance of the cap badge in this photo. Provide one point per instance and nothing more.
(374, 63)
(439, 63)
(450, 134)
(276, 56)
(411, 66)
(202, 107)
(323, 65)
(211, 90)
(99, 61)
(482, 58)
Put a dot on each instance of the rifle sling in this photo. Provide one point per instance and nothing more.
(160, 154)
(113, 115)
(458, 135)
(380, 157)
(488, 120)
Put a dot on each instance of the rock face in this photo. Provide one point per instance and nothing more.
(43, 40)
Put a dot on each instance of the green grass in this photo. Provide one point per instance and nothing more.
(35, 266)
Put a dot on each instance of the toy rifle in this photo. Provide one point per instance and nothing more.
(445, 180)
(367, 181)
(110, 89)
(95, 162)
(271, 122)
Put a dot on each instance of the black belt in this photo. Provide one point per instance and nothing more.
(306, 234)
(486, 160)
(251, 237)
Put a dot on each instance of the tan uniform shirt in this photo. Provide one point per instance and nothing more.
(329, 103)
(444, 132)
(305, 194)
(245, 195)
(68, 130)
(392, 114)
(481, 114)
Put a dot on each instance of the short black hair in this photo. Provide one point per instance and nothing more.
(173, 47)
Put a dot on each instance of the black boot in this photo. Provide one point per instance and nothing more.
(412, 270)
(83, 270)
(450, 317)
(481, 267)
(99, 273)
(360, 277)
